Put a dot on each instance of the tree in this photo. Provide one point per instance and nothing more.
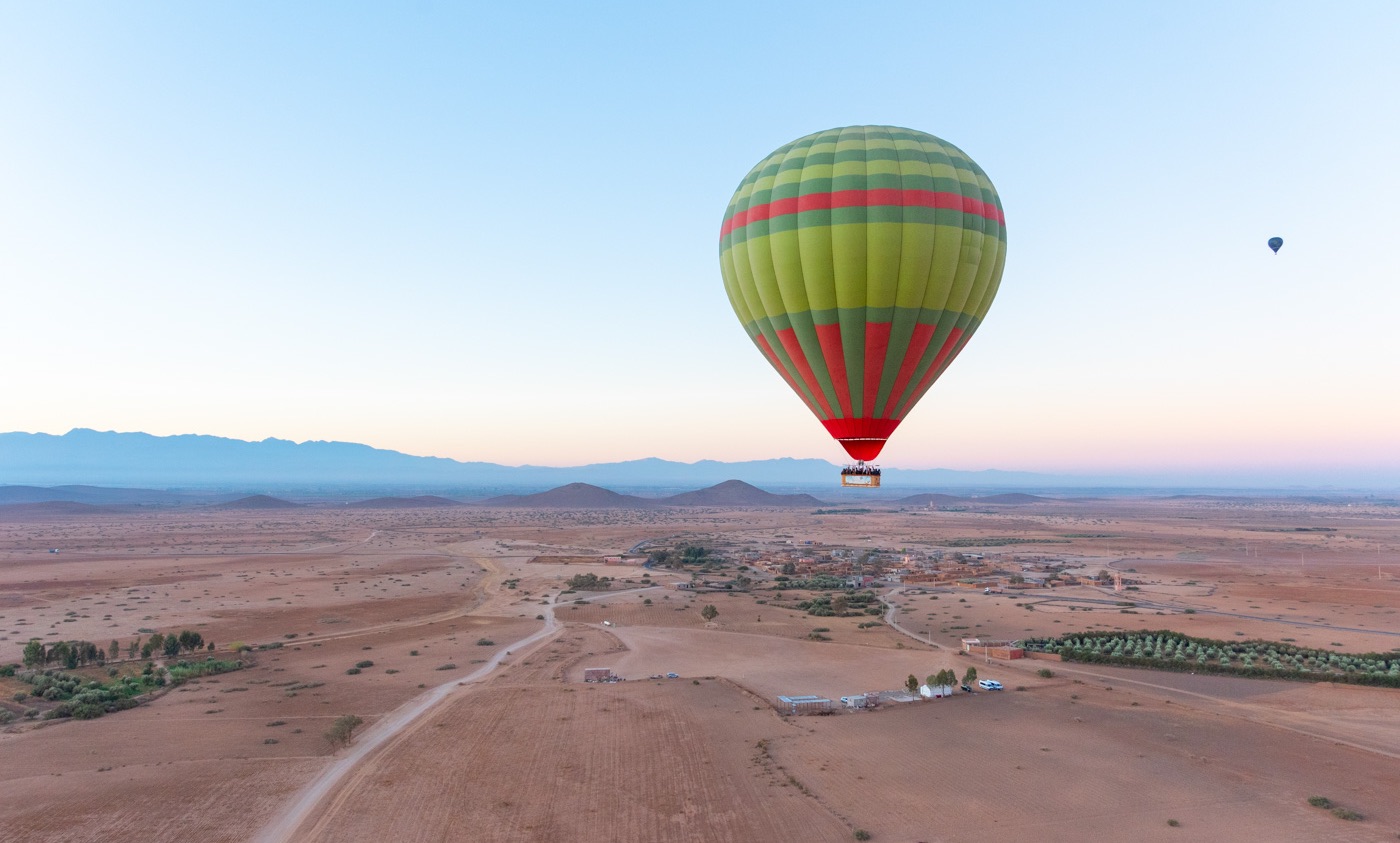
(589, 582)
(789, 568)
(839, 605)
(970, 676)
(709, 612)
(172, 646)
(133, 648)
(912, 683)
(34, 654)
(114, 650)
(343, 730)
(191, 641)
(157, 642)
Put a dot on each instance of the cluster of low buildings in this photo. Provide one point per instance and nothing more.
(808, 704)
(863, 569)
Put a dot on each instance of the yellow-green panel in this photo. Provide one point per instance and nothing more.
(884, 244)
(814, 242)
(947, 246)
(784, 248)
(915, 264)
(848, 260)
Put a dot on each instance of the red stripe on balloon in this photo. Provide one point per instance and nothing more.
(877, 343)
(793, 347)
(883, 196)
(934, 369)
(768, 352)
(830, 338)
(918, 343)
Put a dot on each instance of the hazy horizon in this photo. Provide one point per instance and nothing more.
(85, 456)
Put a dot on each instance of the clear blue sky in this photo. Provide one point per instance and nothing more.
(489, 231)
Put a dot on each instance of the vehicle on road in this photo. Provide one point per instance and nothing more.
(989, 685)
(673, 676)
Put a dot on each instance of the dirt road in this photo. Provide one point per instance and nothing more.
(285, 826)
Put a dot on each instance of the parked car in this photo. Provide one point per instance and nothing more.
(967, 688)
(673, 676)
(989, 685)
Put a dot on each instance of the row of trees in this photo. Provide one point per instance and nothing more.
(687, 556)
(589, 582)
(75, 654)
(85, 699)
(842, 603)
(947, 676)
(1165, 649)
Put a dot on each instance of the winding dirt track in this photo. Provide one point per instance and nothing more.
(285, 826)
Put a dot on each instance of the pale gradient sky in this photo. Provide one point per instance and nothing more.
(490, 231)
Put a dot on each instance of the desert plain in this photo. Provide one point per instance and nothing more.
(478, 724)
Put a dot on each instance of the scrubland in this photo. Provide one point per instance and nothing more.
(530, 752)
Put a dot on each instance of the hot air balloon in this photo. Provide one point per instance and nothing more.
(1275, 243)
(860, 261)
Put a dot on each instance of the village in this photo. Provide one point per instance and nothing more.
(788, 567)
(788, 562)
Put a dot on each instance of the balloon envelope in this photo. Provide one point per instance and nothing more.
(1275, 243)
(860, 261)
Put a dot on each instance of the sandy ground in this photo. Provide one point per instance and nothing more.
(532, 753)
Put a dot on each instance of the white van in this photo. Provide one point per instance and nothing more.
(989, 685)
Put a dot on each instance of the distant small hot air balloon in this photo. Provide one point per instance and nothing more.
(1275, 243)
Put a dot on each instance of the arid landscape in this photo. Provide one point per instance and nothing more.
(453, 633)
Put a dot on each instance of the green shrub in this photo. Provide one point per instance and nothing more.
(1045, 673)
(342, 730)
(365, 663)
(352, 671)
(1319, 802)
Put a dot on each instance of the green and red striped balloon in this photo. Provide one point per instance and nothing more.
(860, 262)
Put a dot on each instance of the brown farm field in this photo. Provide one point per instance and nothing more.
(478, 726)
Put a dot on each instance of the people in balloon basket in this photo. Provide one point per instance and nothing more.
(862, 469)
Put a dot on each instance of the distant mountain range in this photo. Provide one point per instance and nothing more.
(92, 457)
(189, 464)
